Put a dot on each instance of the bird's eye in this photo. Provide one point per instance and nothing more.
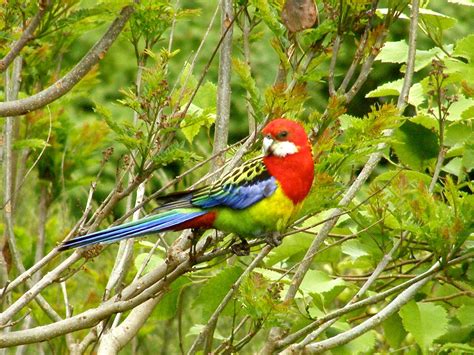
(282, 135)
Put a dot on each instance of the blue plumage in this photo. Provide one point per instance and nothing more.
(153, 224)
(239, 196)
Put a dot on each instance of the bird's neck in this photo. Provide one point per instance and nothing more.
(294, 172)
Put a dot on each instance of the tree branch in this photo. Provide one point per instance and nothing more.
(66, 83)
(221, 131)
(27, 35)
(367, 170)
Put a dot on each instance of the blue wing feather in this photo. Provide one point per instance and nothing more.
(239, 196)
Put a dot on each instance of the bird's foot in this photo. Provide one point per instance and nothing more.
(241, 249)
(273, 239)
(194, 237)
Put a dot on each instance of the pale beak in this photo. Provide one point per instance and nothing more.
(267, 143)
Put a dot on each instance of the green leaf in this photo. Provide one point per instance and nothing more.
(468, 157)
(465, 314)
(155, 260)
(319, 282)
(457, 134)
(31, 143)
(194, 120)
(393, 52)
(425, 321)
(292, 245)
(454, 167)
(355, 249)
(394, 331)
(435, 19)
(269, 15)
(244, 72)
(462, 2)
(462, 348)
(411, 175)
(197, 328)
(415, 145)
(460, 109)
(215, 289)
(465, 47)
(394, 88)
(168, 305)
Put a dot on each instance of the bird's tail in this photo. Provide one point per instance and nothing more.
(169, 220)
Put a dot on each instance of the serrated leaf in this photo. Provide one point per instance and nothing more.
(426, 121)
(393, 52)
(425, 321)
(454, 167)
(215, 289)
(319, 282)
(355, 249)
(415, 145)
(465, 314)
(394, 331)
(194, 120)
(435, 19)
(458, 109)
(468, 156)
(394, 88)
(457, 134)
(291, 245)
(391, 88)
(248, 82)
(269, 15)
(465, 47)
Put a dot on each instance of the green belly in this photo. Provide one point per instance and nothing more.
(272, 214)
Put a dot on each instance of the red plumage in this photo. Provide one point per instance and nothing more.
(294, 172)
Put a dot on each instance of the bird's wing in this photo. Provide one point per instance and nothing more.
(239, 189)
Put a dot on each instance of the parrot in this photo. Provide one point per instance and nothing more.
(257, 199)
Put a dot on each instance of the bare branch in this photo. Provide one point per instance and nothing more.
(221, 132)
(114, 340)
(66, 83)
(332, 65)
(35, 289)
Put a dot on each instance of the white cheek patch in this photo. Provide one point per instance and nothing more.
(282, 149)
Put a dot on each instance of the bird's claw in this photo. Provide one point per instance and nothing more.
(273, 239)
(241, 249)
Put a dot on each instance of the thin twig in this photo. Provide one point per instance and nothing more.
(221, 132)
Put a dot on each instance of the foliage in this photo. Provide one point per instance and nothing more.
(147, 113)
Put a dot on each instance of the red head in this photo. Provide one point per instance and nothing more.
(283, 137)
(288, 157)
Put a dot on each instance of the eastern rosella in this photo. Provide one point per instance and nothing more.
(256, 199)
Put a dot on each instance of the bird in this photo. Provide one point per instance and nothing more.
(259, 198)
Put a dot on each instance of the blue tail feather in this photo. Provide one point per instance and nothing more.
(147, 225)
